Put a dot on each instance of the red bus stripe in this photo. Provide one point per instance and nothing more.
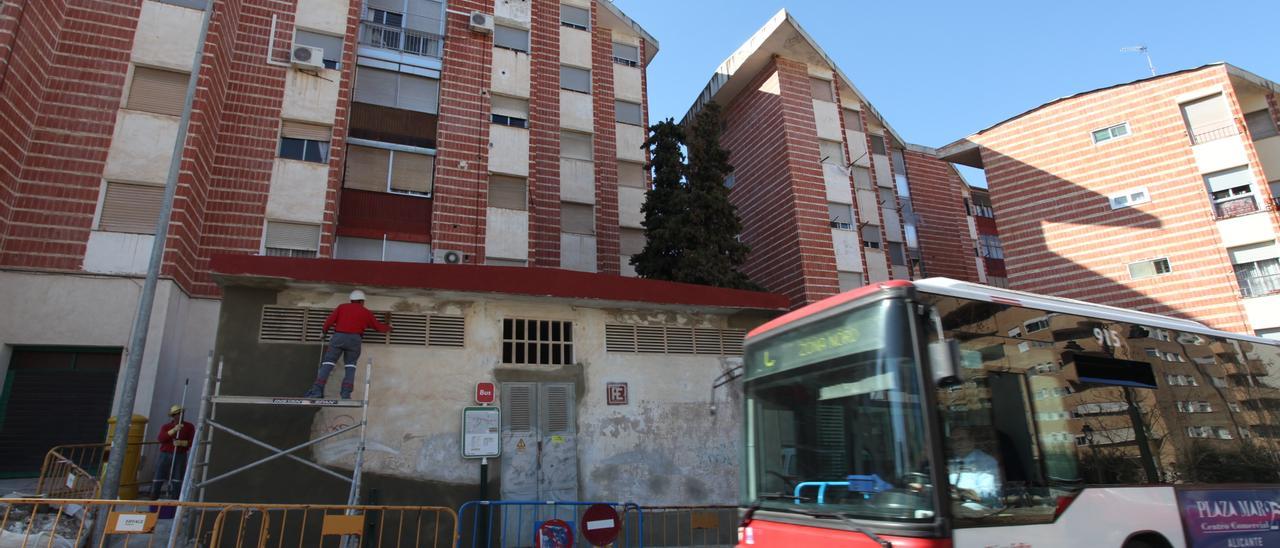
(824, 304)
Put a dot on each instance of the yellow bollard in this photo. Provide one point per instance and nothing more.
(132, 454)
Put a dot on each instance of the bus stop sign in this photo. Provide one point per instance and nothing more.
(600, 524)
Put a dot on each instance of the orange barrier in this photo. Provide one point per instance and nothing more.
(71, 471)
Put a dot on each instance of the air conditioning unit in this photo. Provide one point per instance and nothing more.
(481, 22)
(447, 256)
(307, 57)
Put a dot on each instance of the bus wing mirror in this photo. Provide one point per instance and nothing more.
(944, 362)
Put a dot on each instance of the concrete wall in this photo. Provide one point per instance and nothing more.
(141, 147)
(329, 16)
(576, 112)
(626, 83)
(507, 233)
(630, 201)
(577, 181)
(311, 97)
(1269, 154)
(575, 47)
(827, 117)
(298, 191)
(117, 253)
(166, 36)
(1245, 229)
(509, 150)
(629, 140)
(1264, 312)
(510, 72)
(515, 10)
(664, 447)
(578, 252)
(848, 250)
(1220, 154)
(836, 178)
(877, 268)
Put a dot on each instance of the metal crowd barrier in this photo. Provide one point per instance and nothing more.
(71, 471)
(74, 523)
(686, 526)
(512, 523)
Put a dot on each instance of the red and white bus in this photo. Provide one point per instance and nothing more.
(941, 413)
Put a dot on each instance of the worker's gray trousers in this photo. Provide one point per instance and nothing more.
(341, 345)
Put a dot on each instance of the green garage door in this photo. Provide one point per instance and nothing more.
(51, 397)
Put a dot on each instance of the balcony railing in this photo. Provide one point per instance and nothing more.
(1243, 205)
(1260, 286)
(400, 39)
(1227, 129)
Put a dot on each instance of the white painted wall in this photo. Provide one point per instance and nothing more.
(630, 138)
(510, 72)
(880, 163)
(166, 36)
(577, 181)
(576, 112)
(892, 224)
(857, 141)
(575, 47)
(297, 191)
(868, 206)
(117, 253)
(838, 185)
(509, 150)
(311, 98)
(639, 451)
(578, 252)
(506, 234)
(515, 10)
(1220, 154)
(626, 83)
(629, 202)
(1245, 229)
(848, 250)
(827, 117)
(1264, 312)
(329, 16)
(1269, 154)
(877, 268)
(141, 147)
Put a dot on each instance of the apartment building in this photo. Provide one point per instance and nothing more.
(349, 139)
(1157, 195)
(982, 228)
(830, 196)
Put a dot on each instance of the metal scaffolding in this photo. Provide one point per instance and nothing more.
(202, 446)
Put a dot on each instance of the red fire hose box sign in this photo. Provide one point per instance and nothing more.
(600, 524)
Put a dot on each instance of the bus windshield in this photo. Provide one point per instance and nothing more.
(834, 419)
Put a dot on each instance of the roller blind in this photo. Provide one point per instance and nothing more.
(366, 168)
(852, 120)
(158, 91)
(425, 15)
(822, 90)
(575, 145)
(131, 208)
(1207, 114)
(631, 241)
(397, 90)
(627, 112)
(507, 192)
(577, 218)
(418, 93)
(1231, 178)
(511, 38)
(631, 174)
(332, 45)
(376, 87)
(575, 16)
(301, 130)
(1254, 253)
(576, 79)
(508, 106)
(412, 172)
(283, 235)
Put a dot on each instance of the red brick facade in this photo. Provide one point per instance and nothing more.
(1049, 184)
(945, 246)
(605, 145)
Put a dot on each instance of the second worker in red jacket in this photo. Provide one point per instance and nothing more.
(349, 322)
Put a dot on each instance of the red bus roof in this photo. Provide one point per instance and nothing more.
(824, 304)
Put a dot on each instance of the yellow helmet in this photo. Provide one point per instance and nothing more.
(174, 410)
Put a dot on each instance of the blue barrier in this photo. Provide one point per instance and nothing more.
(514, 523)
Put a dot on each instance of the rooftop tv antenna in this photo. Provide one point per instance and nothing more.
(1143, 50)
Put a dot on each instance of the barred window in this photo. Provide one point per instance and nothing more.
(537, 342)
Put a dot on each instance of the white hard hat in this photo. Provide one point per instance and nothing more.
(357, 295)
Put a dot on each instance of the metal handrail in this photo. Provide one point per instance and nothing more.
(1259, 286)
(401, 39)
(1214, 134)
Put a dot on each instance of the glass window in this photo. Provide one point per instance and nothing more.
(511, 38)
(626, 54)
(509, 111)
(575, 79)
(304, 149)
(841, 215)
(575, 17)
(897, 254)
(1129, 198)
(877, 144)
(1108, 133)
(628, 112)
(990, 247)
(384, 17)
(1261, 124)
(822, 90)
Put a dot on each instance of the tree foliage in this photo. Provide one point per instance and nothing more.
(691, 228)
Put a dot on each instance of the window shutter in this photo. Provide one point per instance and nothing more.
(861, 177)
(418, 93)
(1261, 125)
(507, 106)
(366, 168)
(407, 252)
(840, 215)
(575, 16)
(627, 112)
(627, 52)
(332, 45)
(519, 406)
(507, 193)
(852, 120)
(412, 172)
(877, 144)
(631, 241)
(1253, 253)
(131, 208)
(376, 87)
(575, 145)
(557, 409)
(1229, 179)
(822, 90)
(158, 91)
(425, 15)
(577, 218)
(871, 234)
(575, 79)
(301, 130)
(1207, 114)
(284, 235)
(511, 38)
(631, 174)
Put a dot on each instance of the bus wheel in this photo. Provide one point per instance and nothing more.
(1146, 540)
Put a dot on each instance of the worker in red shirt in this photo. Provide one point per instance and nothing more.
(175, 440)
(349, 322)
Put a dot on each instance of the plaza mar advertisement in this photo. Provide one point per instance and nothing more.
(1231, 518)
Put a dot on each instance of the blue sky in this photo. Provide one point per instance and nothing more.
(939, 71)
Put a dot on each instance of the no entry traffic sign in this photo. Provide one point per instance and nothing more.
(600, 524)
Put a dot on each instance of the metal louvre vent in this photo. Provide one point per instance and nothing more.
(519, 407)
(289, 324)
(651, 339)
(446, 331)
(556, 409)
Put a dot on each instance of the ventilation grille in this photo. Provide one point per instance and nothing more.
(649, 339)
(556, 409)
(519, 410)
(287, 324)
